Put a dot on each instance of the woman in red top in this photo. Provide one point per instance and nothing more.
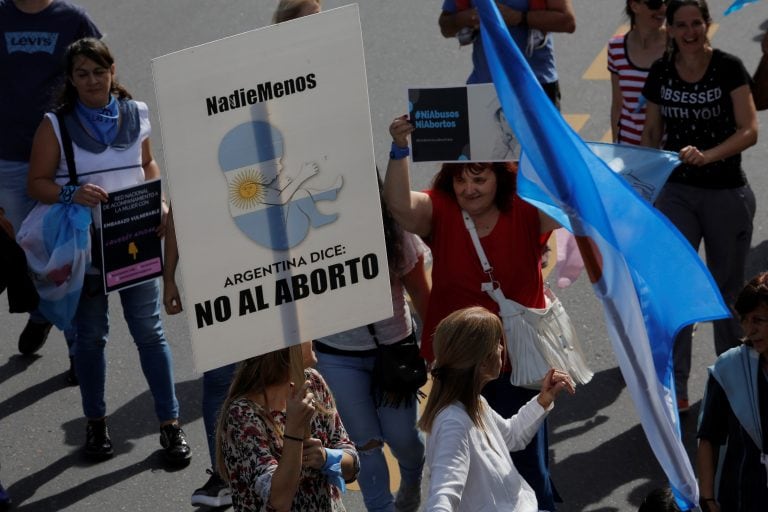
(512, 233)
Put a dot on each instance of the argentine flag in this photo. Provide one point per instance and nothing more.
(650, 280)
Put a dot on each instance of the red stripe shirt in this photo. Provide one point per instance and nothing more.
(631, 82)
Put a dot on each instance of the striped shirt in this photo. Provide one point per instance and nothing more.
(631, 82)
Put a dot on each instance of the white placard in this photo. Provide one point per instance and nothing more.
(269, 154)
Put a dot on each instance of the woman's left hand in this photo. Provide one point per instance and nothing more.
(553, 383)
(692, 156)
(314, 454)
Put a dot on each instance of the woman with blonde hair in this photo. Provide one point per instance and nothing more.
(292, 9)
(463, 431)
(280, 441)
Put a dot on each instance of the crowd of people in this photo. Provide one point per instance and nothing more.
(288, 430)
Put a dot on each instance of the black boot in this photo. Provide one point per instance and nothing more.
(98, 445)
(174, 442)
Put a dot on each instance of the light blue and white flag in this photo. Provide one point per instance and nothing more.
(57, 242)
(650, 280)
(646, 170)
(736, 5)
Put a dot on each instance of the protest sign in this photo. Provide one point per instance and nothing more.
(460, 124)
(269, 153)
(128, 241)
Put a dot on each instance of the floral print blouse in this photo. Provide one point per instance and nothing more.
(252, 450)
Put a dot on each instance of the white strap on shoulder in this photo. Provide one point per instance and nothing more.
(470, 224)
(490, 287)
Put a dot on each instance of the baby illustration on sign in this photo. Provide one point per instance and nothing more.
(274, 207)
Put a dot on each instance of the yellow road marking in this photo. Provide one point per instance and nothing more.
(577, 121)
(598, 69)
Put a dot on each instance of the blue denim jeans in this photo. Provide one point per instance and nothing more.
(349, 378)
(215, 387)
(13, 191)
(141, 309)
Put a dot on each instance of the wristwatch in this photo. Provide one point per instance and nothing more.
(398, 153)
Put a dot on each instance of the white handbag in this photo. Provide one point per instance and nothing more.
(537, 338)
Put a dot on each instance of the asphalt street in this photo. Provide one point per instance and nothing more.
(601, 460)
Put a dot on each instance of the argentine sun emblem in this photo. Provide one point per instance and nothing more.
(273, 206)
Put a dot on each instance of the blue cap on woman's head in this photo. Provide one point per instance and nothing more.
(250, 143)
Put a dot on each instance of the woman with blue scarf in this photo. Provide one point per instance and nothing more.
(733, 428)
(110, 140)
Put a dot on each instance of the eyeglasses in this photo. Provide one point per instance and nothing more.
(655, 5)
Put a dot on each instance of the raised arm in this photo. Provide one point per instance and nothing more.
(520, 428)
(412, 210)
(285, 480)
(745, 135)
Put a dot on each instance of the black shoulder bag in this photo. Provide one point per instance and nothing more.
(399, 370)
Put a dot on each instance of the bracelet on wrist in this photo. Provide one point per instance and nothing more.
(67, 193)
(293, 438)
(398, 153)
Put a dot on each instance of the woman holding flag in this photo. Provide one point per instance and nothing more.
(700, 98)
(510, 231)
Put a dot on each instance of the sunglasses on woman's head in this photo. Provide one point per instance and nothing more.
(655, 5)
